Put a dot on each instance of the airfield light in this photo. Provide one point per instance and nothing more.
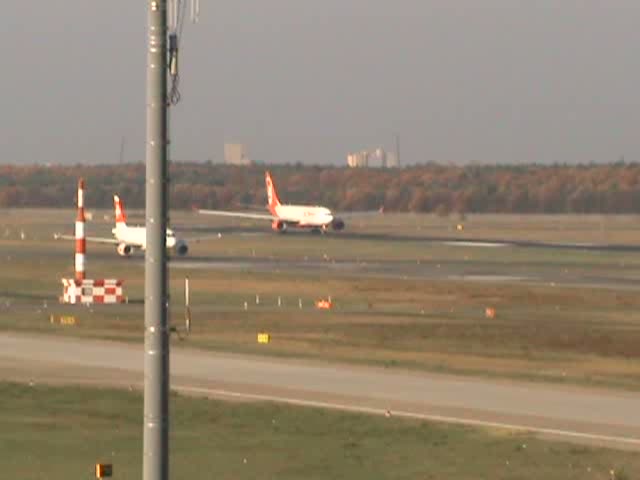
(104, 470)
(187, 306)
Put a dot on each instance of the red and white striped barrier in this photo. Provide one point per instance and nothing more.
(81, 242)
(80, 290)
(92, 291)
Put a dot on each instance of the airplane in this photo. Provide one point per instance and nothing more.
(128, 238)
(282, 217)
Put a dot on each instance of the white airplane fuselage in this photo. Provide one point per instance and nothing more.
(304, 216)
(137, 236)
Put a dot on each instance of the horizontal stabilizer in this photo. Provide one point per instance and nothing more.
(59, 236)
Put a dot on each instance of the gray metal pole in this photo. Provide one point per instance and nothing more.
(156, 339)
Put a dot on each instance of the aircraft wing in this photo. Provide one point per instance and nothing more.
(364, 213)
(113, 241)
(204, 238)
(222, 213)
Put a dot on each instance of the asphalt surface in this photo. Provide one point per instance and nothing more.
(594, 416)
(594, 276)
(392, 237)
(450, 270)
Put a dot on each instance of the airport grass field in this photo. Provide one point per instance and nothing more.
(57, 433)
(422, 307)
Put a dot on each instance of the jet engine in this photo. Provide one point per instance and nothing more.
(181, 248)
(337, 224)
(124, 250)
(279, 226)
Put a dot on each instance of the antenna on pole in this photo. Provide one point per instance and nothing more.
(195, 11)
(176, 12)
(176, 15)
(122, 144)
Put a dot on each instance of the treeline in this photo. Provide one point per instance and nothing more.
(430, 188)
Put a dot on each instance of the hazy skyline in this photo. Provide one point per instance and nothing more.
(460, 81)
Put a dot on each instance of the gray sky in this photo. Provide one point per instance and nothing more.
(460, 80)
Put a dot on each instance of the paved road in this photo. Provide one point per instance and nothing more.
(595, 416)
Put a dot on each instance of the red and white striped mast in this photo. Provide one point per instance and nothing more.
(81, 242)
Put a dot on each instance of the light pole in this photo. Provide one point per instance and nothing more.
(156, 329)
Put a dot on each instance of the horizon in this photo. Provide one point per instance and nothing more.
(253, 165)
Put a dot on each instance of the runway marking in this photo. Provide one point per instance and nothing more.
(406, 414)
(471, 243)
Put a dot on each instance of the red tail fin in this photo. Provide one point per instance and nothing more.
(121, 217)
(272, 195)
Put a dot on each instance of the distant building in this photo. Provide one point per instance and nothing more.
(373, 158)
(236, 154)
(358, 160)
(379, 158)
(392, 160)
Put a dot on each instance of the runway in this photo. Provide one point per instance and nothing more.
(595, 416)
(471, 265)
(427, 239)
(446, 269)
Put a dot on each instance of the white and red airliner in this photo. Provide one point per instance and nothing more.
(283, 217)
(127, 238)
